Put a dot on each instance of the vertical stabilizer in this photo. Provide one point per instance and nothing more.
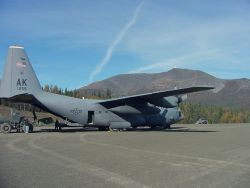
(18, 76)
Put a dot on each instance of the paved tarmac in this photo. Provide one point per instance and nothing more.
(186, 156)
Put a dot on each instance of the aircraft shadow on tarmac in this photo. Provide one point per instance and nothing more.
(175, 129)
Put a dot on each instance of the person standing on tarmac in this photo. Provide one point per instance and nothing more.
(56, 125)
(59, 126)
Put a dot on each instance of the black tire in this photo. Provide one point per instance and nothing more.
(31, 128)
(103, 128)
(167, 126)
(6, 128)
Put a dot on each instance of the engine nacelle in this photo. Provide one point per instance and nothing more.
(168, 102)
(165, 118)
(172, 115)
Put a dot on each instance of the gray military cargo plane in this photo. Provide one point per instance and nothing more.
(20, 84)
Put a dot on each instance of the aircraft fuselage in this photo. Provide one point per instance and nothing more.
(90, 113)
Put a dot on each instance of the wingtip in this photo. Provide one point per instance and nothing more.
(211, 87)
(206, 86)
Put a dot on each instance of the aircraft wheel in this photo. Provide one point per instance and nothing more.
(31, 128)
(6, 128)
(166, 126)
(103, 128)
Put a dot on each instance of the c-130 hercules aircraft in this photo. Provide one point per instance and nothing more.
(20, 84)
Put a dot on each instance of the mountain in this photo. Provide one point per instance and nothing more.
(234, 92)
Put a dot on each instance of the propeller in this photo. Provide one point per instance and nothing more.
(180, 98)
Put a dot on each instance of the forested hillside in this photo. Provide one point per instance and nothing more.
(214, 114)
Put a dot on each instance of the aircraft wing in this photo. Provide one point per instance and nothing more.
(111, 103)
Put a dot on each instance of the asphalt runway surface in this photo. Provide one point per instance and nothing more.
(186, 156)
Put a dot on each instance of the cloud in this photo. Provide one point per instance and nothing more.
(115, 42)
(170, 31)
(176, 62)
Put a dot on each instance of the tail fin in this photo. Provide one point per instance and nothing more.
(18, 76)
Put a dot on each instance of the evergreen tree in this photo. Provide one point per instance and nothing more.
(46, 88)
(108, 93)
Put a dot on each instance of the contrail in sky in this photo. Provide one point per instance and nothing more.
(115, 42)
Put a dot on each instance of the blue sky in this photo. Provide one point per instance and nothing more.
(73, 43)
